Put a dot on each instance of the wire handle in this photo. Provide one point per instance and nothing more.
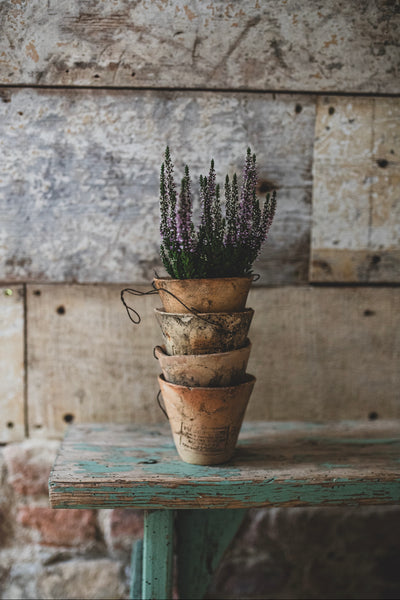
(161, 406)
(131, 311)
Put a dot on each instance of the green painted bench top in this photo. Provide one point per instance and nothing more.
(276, 464)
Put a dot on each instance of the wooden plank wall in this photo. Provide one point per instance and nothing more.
(90, 94)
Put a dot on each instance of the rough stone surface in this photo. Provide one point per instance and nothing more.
(28, 464)
(60, 527)
(121, 527)
(313, 553)
(3, 526)
(82, 579)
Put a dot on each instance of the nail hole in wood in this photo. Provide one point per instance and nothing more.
(96, 76)
(382, 163)
(37, 293)
(298, 108)
(133, 74)
(38, 426)
(375, 259)
(368, 313)
(331, 110)
(373, 416)
(10, 424)
(266, 186)
(68, 418)
(61, 310)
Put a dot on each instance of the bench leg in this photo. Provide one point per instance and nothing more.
(135, 590)
(158, 549)
(202, 539)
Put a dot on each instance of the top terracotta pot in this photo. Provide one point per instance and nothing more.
(219, 294)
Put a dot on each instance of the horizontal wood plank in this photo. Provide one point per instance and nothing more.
(325, 353)
(87, 361)
(268, 45)
(12, 369)
(356, 191)
(275, 465)
(317, 354)
(79, 177)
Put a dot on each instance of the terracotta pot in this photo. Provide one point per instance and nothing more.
(205, 422)
(205, 370)
(204, 333)
(220, 294)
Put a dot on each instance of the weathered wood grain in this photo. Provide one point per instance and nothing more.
(203, 536)
(356, 192)
(267, 45)
(158, 554)
(276, 464)
(317, 354)
(12, 370)
(79, 177)
(86, 360)
(325, 353)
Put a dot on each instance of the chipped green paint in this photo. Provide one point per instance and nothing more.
(356, 441)
(279, 466)
(333, 466)
(158, 548)
(202, 539)
(153, 463)
(135, 588)
(231, 494)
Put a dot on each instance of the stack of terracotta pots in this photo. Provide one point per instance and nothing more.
(204, 384)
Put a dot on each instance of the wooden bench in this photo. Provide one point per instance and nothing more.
(276, 464)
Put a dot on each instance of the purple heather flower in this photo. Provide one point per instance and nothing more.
(221, 246)
(245, 205)
(184, 225)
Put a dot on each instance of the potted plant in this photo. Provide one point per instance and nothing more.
(210, 267)
(204, 320)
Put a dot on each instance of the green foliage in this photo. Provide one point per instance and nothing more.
(227, 241)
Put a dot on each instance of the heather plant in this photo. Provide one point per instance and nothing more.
(230, 233)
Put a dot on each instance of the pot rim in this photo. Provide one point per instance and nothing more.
(247, 346)
(203, 314)
(201, 279)
(250, 379)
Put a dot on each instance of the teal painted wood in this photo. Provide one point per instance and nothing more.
(135, 588)
(276, 464)
(203, 536)
(158, 546)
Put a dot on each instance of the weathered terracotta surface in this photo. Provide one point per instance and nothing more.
(213, 295)
(204, 333)
(205, 422)
(205, 370)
